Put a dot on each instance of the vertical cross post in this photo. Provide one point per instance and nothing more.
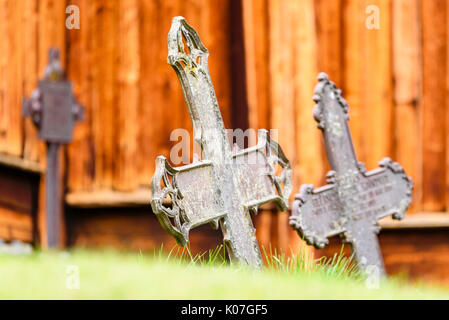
(52, 194)
(226, 185)
(54, 111)
(354, 199)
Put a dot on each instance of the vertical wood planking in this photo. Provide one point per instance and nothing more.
(329, 33)
(152, 60)
(446, 207)
(51, 30)
(367, 80)
(329, 37)
(255, 31)
(434, 46)
(104, 91)
(378, 99)
(283, 116)
(161, 96)
(353, 80)
(293, 72)
(11, 78)
(128, 73)
(304, 65)
(80, 171)
(94, 80)
(4, 49)
(255, 28)
(218, 43)
(30, 74)
(162, 101)
(15, 76)
(407, 91)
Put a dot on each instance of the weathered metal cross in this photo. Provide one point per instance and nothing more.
(354, 199)
(226, 185)
(54, 111)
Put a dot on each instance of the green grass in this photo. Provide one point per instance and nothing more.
(179, 275)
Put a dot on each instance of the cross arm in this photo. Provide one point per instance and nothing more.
(317, 214)
(257, 176)
(184, 197)
(388, 190)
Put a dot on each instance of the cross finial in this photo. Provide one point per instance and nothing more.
(53, 70)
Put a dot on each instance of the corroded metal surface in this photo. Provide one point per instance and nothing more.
(226, 185)
(354, 199)
(54, 111)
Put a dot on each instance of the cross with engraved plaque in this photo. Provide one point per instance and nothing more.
(227, 184)
(54, 111)
(354, 199)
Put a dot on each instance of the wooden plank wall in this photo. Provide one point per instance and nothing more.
(118, 62)
(394, 79)
(28, 29)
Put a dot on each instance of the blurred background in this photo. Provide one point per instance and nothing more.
(388, 56)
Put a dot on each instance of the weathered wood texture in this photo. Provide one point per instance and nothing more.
(421, 254)
(129, 228)
(18, 204)
(133, 228)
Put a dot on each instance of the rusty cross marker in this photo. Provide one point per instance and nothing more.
(54, 111)
(354, 199)
(226, 185)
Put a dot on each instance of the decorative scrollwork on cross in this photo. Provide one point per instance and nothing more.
(189, 59)
(308, 233)
(397, 169)
(275, 156)
(167, 201)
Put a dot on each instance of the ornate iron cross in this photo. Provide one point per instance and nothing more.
(226, 185)
(354, 199)
(54, 111)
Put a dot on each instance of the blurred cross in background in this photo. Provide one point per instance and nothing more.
(354, 199)
(54, 111)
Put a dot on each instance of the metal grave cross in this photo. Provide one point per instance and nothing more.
(354, 199)
(54, 111)
(226, 185)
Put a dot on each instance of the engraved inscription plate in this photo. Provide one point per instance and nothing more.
(57, 116)
(52, 106)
